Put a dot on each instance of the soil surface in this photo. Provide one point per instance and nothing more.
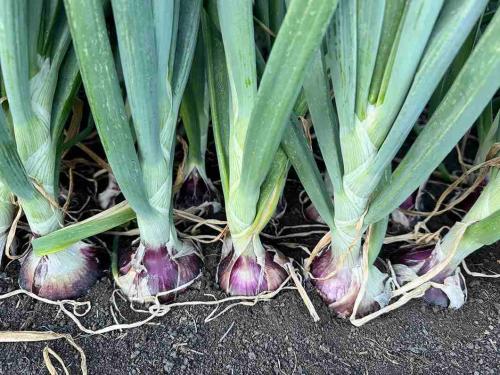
(276, 336)
(272, 337)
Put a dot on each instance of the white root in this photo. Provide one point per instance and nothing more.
(479, 274)
(35, 336)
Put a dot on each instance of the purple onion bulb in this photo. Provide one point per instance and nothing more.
(417, 262)
(247, 275)
(146, 272)
(195, 191)
(339, 283)
(67, 274)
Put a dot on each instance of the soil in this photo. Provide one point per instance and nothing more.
(272, 337)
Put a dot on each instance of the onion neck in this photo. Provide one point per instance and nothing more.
(248, 245)
(157, 180)
(348, 230)
(157, 230)
(42, 216)
(195, 162)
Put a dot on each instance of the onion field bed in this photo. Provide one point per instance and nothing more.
(272, 337)
(249, 187)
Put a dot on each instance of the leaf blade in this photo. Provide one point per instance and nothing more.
(469, 94)
(93, 50)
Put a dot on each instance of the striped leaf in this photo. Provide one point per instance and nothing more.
(472, 90)
(93, 50)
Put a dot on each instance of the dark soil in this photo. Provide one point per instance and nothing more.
(272, 337)
(277, 336)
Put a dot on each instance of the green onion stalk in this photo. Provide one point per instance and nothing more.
(488, 133)
(156, 42)
(488, 137)
(397, 216)
(479, 227)
(485, 127)
(41, 79)
(249, 121)
(268, 17)
(385, 61)
(194, 185)
(6, 216)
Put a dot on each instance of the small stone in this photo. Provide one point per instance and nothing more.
(252, 356)
(470, 345)
(168, 366)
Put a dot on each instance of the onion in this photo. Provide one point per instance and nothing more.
(63, 275)
(339, 284)
(417, 262)
(195, 191)
(249, 275)
(147, 271)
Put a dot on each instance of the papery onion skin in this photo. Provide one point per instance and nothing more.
(400, 218)
(339, 286)
(67, 274)
(160, 271)
(417, 262)
(244, 276)
(415, 257)
(450, 279)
